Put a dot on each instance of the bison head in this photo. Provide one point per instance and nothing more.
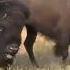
(10, 38)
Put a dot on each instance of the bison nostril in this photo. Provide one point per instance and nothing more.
(12, 47)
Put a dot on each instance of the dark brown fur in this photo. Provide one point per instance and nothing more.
(13, 16)
(52, 20)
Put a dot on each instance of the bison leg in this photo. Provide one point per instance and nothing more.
(61, 50)
(30, 39)
(62, 46)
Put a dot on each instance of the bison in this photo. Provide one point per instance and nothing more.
(51, 20)
(13, 16)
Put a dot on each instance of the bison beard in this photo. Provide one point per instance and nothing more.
(14, 15)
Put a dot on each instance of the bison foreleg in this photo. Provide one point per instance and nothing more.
(30, 39)
(62, 46)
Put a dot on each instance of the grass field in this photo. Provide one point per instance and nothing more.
(43, 51)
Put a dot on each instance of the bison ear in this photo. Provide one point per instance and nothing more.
(26, 11)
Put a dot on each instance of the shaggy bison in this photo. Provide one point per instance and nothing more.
(51, 19)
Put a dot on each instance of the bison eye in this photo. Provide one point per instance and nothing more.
(12, 47)
(5, 15)
(2, 28)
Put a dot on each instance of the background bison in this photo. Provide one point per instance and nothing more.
(51, 18)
